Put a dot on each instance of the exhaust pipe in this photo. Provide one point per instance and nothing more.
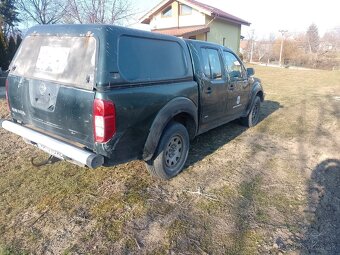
(48, 144)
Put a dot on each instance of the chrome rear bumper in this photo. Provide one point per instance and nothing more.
(54, 146)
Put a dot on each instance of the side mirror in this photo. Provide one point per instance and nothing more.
(250, 71)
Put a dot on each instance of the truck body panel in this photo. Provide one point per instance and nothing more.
(137, 108)
(223, 98)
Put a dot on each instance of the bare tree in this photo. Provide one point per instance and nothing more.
(249, 45)
(264, 50)
(331, 39)
(43, 11)
(313, 39)
(99, 11)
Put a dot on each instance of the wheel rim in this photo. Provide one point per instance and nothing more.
(174, 152)
(255, 113)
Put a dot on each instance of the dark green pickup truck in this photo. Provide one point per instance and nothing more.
(100, 95)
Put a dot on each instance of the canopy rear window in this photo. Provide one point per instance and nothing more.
(64, 59)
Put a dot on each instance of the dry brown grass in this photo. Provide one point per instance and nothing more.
(244, 191)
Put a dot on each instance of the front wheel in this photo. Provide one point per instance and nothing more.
(171, 153)
(254, 115)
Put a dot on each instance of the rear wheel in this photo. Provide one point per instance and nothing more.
(171, 153)
(254, 115)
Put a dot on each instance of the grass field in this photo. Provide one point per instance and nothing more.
(271, 189)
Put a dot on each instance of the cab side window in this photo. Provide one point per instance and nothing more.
(233, 66)
(212, 67)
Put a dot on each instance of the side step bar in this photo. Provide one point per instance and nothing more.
(54, 146)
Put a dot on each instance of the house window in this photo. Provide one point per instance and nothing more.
(224, 41)
(185, 10)
(167, 12)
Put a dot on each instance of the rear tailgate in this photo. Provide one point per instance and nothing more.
(50, 85)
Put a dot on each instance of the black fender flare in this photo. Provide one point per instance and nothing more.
(172, 108)
(257, 87)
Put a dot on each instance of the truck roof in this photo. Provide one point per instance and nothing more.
(138, 52)
(83, 29)
(204, 43)
(100, 29)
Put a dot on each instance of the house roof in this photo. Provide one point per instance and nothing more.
(206, 9)
(183, 31)
(215, 12)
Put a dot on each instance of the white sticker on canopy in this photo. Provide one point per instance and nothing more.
(52, 59)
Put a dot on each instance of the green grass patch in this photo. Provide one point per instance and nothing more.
(4, 250)
(245, 243)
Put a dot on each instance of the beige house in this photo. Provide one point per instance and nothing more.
(195, 20)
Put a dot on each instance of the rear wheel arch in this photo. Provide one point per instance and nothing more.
(181, 110)
(188, 122)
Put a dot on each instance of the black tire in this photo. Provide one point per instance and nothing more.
(254, 115)
(171, 153)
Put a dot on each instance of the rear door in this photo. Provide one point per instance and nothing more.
(239, 87)
(50, 85)
(214, 89)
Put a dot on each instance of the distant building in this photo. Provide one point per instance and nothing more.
(195, 20)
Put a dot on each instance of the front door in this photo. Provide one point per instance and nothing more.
(213, 88)
(239, 87)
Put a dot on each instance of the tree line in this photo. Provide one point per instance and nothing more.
(10, 37)
(306, 49)
(75, 11)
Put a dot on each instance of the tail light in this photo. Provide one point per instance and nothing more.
(104, 119)
(9, 108)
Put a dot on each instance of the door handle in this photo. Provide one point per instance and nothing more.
(208, 90)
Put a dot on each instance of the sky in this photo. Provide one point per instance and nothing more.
(269, 16)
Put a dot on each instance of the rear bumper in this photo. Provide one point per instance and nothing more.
(59, 148)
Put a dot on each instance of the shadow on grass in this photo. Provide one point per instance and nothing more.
(322, 236)
(211, 141)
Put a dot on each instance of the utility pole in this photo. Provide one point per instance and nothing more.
(252, 45)
(282, 37)
(251, 51)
